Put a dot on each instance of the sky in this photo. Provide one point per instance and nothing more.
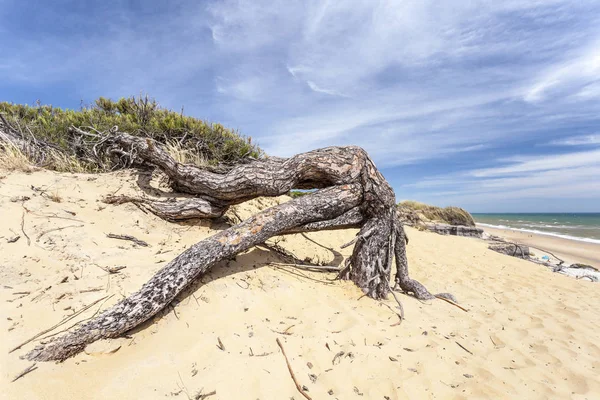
(489, 105)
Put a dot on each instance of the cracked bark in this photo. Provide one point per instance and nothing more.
(353, 193)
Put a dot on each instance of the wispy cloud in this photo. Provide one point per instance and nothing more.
(571, 175)
(576, 141)
(468, 93)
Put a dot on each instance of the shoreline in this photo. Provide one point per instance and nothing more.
(570, 250)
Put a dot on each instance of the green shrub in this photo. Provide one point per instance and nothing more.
(141, 116)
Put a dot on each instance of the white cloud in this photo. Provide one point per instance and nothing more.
(579, 76)
(520, 165)
(424, 82)
(577, 140)
(557, 176)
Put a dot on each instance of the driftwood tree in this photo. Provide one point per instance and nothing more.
(351, 193)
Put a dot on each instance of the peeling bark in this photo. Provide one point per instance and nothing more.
(353, 193)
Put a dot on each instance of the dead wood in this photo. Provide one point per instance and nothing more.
(352, 193)
(302, 392)
(23, 226)
(25, 372)
(128, 237)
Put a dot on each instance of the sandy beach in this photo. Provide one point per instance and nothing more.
(529, 333)
(572, 251)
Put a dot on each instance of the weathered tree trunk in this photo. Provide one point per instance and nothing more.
(353, 194)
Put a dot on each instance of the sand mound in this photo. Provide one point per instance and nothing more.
(529, 333)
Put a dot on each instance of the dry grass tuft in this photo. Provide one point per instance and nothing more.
(65, 163)
(185, 156)
(55, 197)
(13, 159)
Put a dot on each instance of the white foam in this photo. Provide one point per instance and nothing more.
(579, 239)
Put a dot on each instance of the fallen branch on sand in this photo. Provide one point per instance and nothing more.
(302, 392)
(128, 237)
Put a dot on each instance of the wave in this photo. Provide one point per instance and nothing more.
(555, 234)
(560, 226)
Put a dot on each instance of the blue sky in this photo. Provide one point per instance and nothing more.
(490, 105)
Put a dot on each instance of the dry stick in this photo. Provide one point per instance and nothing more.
(392, 310)
(78, 322)
(23, 226)
(451, 302)
(401, 315)
(464, 348)
(204, 396)
(296, 262)
(315, 268)
(292, 372)
(56, 229)
(25, 371)
(127, 237)
(67, 319)
(56, 216)
(299, 274)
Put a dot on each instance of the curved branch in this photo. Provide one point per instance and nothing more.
(172, 209)
(272, 177)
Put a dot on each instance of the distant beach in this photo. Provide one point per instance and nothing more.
(571, 250)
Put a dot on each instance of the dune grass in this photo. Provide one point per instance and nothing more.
(13, 159)
(448, 215)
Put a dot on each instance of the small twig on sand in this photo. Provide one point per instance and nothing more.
(292, 372)
(399, 306)
(96, 289)
(23, 226)
(298, 273)
(451, 302)
(204, 396)
(128, 237)
(111, 270)
(56, 229)
(293, 260)
(221, 346)
(65, 320)
(78, 322)
(25, 371)
(400, 316)
(464, 348)
(284, 332)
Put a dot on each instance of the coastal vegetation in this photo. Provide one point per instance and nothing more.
(421, 212)
(69, 140)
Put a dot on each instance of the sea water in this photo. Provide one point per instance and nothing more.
(576, 226)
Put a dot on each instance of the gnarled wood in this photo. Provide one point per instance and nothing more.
(353, 193)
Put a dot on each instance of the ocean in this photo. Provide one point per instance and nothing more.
(584, 227)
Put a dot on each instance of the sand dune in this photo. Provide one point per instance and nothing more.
(529, 333)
